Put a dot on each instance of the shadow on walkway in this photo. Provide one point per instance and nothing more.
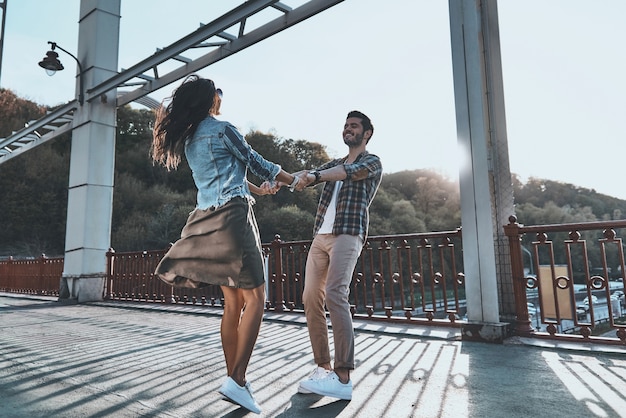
(105, 360)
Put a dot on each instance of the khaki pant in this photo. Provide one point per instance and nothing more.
(329, 269)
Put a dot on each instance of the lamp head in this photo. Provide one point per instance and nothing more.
(51, 63)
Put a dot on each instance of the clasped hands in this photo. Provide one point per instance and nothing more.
(303, 180)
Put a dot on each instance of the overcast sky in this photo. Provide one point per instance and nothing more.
(563, 66)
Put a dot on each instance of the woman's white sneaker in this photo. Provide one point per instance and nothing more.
(241, 395)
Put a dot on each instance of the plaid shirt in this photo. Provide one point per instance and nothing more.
(355, 196)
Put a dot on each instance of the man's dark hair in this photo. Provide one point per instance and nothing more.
(365, 121)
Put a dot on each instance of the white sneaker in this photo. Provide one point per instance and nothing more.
(241, 395)
(318, 373)
(329, 386)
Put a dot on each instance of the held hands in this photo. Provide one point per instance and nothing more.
(269, 187)
(301, 179)
(304, 179)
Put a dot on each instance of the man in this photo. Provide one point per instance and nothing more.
(339, 234)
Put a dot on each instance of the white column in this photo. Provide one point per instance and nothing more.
(486, 195)
(92, 161)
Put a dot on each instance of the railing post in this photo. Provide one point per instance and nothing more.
(277, 253)
(40, 286)
(108, 280)
(522, 322)
(11, 280)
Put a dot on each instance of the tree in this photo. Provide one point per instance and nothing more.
(150, 204)
(16, 112)
(290, 222)
(33, 187)
(405, 219)
(34, 200)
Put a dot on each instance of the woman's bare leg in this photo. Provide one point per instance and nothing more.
(240, 331)
(233, 304)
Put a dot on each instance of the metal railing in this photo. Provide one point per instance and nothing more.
(130, 277)
(409, 278)
(36, 276)
(569, 278)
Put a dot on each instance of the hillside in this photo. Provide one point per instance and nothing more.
(151, 204)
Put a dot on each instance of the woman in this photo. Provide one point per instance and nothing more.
(220, 242)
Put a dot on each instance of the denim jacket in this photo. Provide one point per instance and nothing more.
(219, 157)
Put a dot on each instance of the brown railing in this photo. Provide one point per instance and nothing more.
(567, 265)
(413, 278)
(410, 278)
(37, 276)
(130, 277)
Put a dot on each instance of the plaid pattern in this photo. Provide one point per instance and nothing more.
(355, 196)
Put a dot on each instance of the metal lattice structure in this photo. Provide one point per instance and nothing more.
(481, 130)
(222, 37)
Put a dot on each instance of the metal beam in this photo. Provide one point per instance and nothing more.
(220, 24)
(56, 123)
(135, 76)
(273, 27)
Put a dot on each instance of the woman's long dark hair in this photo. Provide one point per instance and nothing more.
(190, 104)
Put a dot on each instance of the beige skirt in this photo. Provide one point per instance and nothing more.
(217, 247)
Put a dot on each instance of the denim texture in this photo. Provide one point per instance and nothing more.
(219, 158)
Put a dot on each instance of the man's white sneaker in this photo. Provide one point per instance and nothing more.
(329, 386)
(318, 373)
(241, 395)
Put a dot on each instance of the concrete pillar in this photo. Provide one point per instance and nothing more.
(485, 179)
(92, 161)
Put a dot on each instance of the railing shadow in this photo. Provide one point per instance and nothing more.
(101, 361)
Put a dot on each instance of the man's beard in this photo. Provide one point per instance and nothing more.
(354, 140)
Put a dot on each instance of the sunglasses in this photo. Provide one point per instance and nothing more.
(219, 92)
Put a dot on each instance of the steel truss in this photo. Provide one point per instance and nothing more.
(223, 37)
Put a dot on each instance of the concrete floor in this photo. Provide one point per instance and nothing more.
(121, 359)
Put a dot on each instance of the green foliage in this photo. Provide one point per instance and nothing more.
(33, 205)
(287, 222)
(16, 112)
(436, 200)
(540, 192)
(405, 218)
(151, 205)
(147, 217)
(550, 202)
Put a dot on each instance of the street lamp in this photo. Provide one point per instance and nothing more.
(52, 64)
